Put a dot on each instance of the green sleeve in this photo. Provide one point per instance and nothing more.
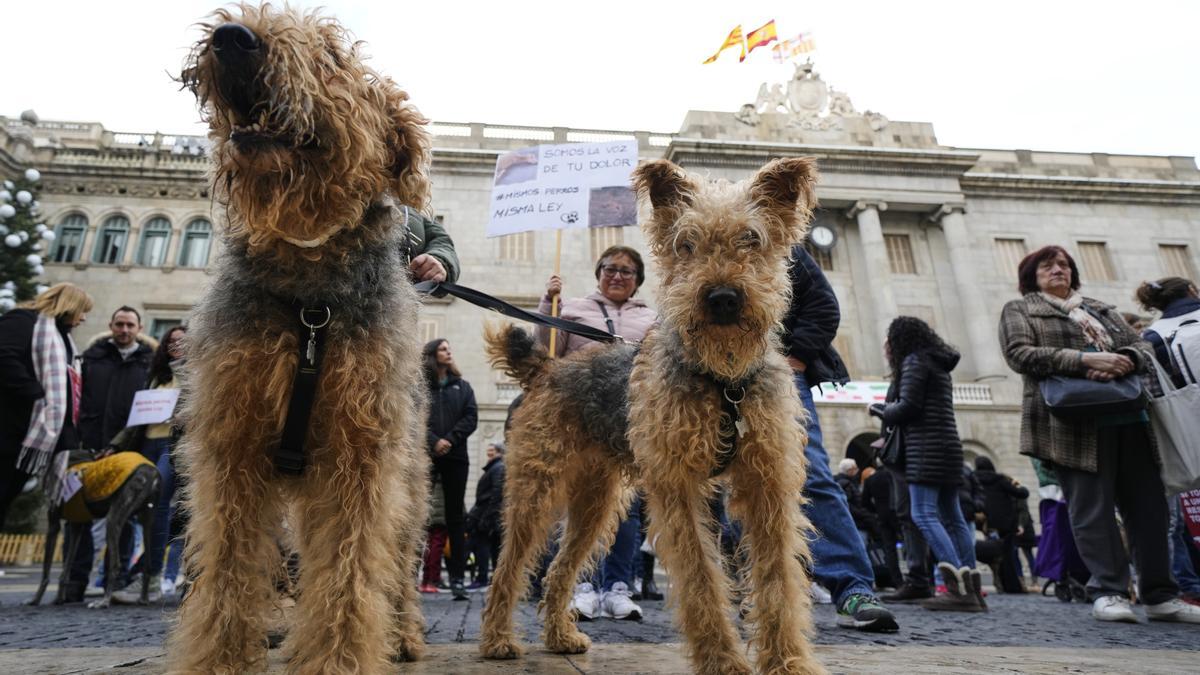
(439, 245)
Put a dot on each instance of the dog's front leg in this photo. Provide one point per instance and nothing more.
(348, 566)
(768, 478)
(681, 518)
(232, 556)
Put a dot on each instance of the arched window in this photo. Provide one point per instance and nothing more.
(68, 241)
(110, 243)
(197, 239)
(152, 251)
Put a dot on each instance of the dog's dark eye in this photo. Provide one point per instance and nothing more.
(749, 240)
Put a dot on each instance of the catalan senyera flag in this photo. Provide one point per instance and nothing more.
(760, 37)
(734, 40)
(803, 43)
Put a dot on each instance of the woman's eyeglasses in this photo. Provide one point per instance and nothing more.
(614, 271)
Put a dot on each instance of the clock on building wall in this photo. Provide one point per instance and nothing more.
(822, 237)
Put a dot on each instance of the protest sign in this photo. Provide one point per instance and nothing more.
(152, 406)
(553, 187)
(1191, 513)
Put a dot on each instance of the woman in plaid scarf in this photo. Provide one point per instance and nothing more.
(39, 387)
(1101, 462)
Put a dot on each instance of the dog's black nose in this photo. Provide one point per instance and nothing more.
(724, 304)
(233, 40)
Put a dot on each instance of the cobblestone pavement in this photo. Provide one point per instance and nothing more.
(1044, 629)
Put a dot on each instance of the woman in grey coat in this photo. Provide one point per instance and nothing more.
(1101, 463)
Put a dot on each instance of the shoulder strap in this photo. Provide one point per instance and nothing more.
(604, 310)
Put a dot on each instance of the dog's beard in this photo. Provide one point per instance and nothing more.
(728, 351)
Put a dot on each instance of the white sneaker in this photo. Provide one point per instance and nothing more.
(586, 603)
(820, 595)
(168, 586)
(1173, 610)
(132, 594)
(1113, 608)
(617, 603)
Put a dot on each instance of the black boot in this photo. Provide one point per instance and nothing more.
(649, 588)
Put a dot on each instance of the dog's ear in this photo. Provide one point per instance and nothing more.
(669, 191)
(411, 150)
(785, 192)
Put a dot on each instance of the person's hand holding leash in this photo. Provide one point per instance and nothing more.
(427, 268)
(441, 447)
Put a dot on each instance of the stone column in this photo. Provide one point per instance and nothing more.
(980, 324)
(878, 277)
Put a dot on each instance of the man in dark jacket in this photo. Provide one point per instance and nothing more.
(840, 560)
(483, 522)
(1000, 497)
(115, 367)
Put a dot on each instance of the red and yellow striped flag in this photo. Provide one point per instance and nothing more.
(760, 37)
(734, 40)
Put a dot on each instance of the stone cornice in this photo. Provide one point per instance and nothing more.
(830, 158)
(1065, 188)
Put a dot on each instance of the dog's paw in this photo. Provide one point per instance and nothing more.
(409, 649)
(501, 649)
(572, 642)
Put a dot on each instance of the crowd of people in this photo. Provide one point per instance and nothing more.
(913, 497)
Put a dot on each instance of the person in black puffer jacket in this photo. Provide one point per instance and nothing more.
(453, 417)
(923, 410)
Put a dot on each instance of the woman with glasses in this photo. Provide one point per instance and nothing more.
(611, 307)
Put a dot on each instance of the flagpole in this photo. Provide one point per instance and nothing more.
(554, 300)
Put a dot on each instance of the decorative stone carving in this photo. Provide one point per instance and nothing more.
(809, 103)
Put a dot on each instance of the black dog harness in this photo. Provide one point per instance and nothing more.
(731, 426)
(290, 458)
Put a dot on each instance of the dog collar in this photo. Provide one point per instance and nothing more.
(313, 243)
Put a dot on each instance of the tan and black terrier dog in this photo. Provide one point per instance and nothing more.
(706, 398)
(313, 155)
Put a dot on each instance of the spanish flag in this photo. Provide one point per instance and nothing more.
(760, 37)
(734, 40)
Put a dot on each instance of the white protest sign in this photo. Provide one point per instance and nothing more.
(152, 406)
(551, 187)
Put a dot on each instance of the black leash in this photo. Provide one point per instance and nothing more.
(440, 289)
(290, 458)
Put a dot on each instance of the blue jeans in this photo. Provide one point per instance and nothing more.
(935, 511)
(839, 558)
(618, 565)
(157, 450)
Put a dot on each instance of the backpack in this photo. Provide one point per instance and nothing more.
(1181, 334)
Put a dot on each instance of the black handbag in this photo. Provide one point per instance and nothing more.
(1078, 398)
(892, 453)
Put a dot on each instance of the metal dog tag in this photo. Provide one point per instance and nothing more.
(742, 426)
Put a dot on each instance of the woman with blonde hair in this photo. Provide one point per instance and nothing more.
(39, 385)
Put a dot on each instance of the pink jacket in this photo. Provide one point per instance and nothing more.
(631, 320)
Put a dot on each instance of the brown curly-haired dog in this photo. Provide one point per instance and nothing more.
(313, 153)
(711, 374)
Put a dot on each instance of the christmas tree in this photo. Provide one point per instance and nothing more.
(26, 241)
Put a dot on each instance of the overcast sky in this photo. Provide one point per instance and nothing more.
(1049, 75)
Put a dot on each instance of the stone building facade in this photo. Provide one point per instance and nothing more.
(919, 229)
